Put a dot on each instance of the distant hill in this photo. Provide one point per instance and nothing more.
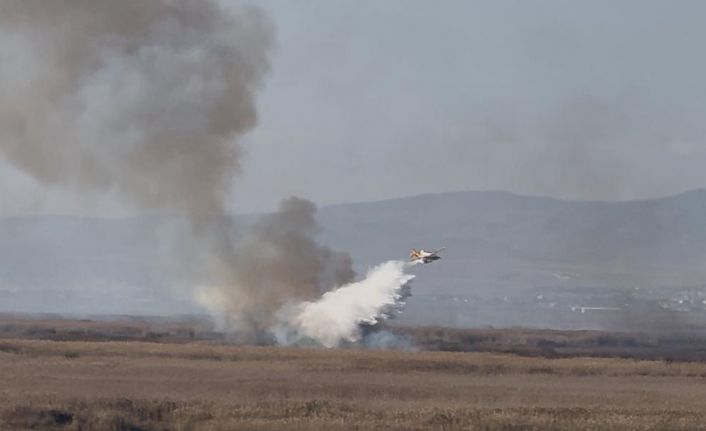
(498, 243)
(660, 241)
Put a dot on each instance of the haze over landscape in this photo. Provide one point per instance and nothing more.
(369, 100)
(500, 245)
(365, 101)
(207, 210)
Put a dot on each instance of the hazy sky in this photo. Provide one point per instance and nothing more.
(376, 99)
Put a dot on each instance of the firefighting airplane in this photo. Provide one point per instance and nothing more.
(421, 256)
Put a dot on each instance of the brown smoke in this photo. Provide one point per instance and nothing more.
(144, 100)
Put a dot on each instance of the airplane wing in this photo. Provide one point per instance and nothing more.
(437, 251)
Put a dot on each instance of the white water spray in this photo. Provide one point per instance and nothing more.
(336, 317)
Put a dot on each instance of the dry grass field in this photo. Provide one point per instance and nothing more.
(128, 385)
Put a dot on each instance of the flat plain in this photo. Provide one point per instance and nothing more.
(214, 385)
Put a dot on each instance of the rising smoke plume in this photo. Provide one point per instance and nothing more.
(144, 101)
(277, 263)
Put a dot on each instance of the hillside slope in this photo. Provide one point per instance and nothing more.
(498, 243)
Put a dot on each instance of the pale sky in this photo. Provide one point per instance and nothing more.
(372, 99)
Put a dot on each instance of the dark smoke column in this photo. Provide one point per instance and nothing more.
(278, 263)
(142, 99)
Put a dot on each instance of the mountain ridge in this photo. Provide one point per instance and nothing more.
(498, 243)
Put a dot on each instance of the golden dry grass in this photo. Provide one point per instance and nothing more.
(149, 386)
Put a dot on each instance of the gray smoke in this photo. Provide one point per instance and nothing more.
(144, 101)
(277, 264)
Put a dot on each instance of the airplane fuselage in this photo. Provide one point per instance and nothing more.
(429, 259)
(424, 256)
